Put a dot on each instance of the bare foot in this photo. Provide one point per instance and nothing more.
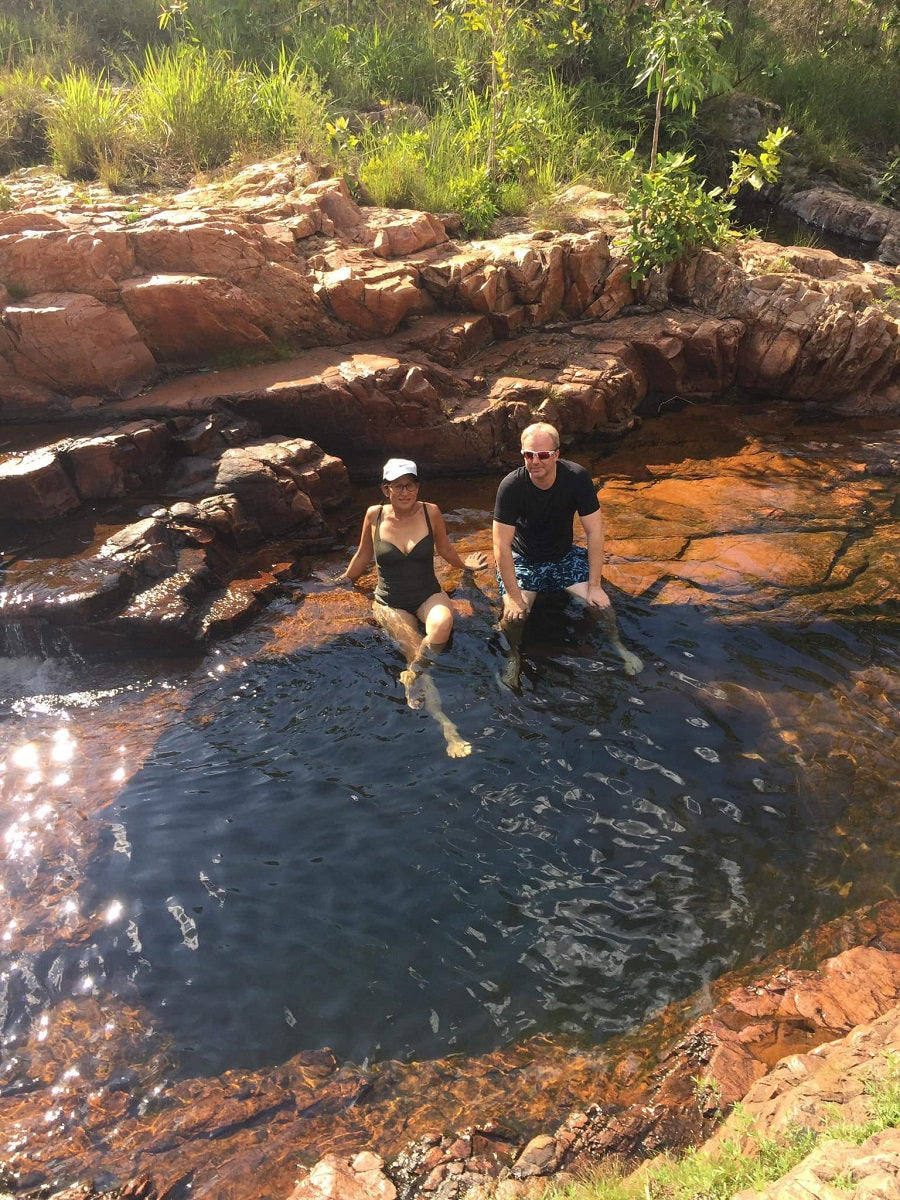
(509, 675)
(631, 662)
(458, 748)
(415, 688)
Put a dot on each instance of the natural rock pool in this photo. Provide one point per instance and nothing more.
(215, 867)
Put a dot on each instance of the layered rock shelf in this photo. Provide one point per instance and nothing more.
(382, 336)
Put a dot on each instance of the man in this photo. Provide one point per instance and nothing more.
(533, 547)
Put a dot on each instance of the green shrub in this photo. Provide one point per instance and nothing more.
(672, 215)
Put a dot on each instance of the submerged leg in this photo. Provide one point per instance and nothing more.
(606, 618)
(436, 614)
(403, 629)
(457, 746)
(512, 626)
(421, 690)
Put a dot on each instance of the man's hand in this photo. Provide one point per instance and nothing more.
(596, 597)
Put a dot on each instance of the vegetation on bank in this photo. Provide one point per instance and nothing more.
(483, 107)
(719, 1175)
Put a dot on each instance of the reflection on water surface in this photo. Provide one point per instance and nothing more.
(298, 864)
(273, 853)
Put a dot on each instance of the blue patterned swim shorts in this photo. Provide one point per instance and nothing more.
(550, 576)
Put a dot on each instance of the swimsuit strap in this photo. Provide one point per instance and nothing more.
(427, 518)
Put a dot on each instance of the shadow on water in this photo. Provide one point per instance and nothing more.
(299, 864)
(775, 224)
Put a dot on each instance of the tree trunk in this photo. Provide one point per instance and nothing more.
(658, 121)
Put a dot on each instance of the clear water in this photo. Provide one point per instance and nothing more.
(303, 866)
(293, 861)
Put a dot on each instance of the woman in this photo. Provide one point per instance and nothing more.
(402, 536)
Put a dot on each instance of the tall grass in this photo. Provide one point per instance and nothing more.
(845, 91)
(23, 111)
(545, 140)
(185, 109)
(397, 59)
(191, 105)
(289, 107)
(88, 127)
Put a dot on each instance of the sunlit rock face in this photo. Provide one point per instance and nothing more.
(103, 300)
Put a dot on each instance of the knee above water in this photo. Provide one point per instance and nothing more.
(440, 626)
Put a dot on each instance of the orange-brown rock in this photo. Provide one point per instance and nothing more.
(55, 260)
(35, 486)
(359, 1178)
(74, 343)
(816, 336)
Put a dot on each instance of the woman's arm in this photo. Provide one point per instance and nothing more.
(365, 553)
(446, 549)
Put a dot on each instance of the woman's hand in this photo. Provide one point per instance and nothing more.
(475, 562)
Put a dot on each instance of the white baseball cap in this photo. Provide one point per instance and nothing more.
(396, 468)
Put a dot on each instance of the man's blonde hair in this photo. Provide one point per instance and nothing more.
(543, 427)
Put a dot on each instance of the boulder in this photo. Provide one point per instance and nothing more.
(35, 486)
(55, 260)
(116, 463)
(838, 211)
(74, 343)
(359, 1178)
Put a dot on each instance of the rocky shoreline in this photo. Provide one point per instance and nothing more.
(179, 485)
(414, 344)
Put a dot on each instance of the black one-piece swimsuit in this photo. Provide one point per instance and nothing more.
(405, 580)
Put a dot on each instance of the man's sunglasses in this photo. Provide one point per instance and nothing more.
(543, 455)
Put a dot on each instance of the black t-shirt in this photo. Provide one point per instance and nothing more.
(544, 518)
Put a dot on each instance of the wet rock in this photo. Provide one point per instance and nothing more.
(359, 1178)
(838, 211)
(175, 577)
(116, 463)
(74, 592)
(36, 487)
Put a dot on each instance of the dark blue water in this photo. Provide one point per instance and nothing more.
(300, 864)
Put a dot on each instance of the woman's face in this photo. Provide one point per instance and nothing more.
(402, 492)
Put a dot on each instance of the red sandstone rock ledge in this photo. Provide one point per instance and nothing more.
(401, 340)
(98, 304)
